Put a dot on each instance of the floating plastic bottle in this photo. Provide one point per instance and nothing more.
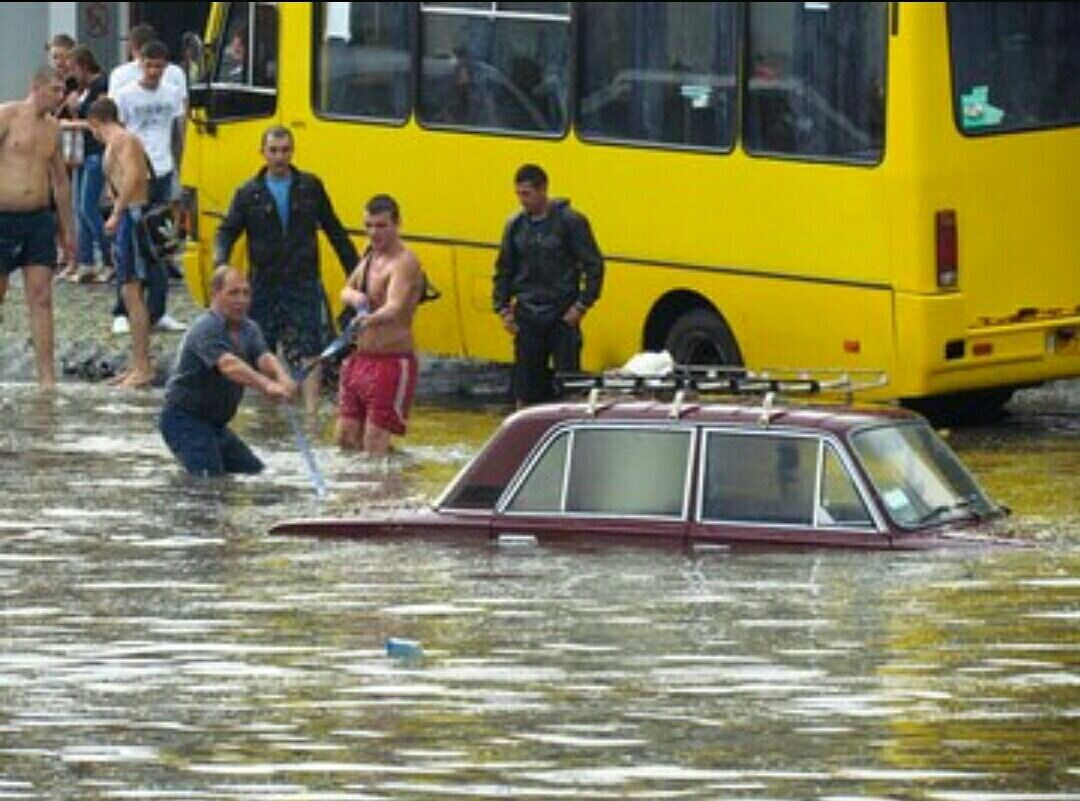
(403, 649)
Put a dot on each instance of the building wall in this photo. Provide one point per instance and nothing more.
(25, 28)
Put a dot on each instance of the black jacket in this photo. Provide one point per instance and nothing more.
(544, 267)
(279, 254)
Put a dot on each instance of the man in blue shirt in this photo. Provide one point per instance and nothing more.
(281, 210)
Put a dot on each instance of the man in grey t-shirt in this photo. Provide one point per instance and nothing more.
(223, 352)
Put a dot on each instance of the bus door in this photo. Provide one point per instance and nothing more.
(234, 97)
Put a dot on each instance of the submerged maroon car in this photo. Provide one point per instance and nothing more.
(676, 461)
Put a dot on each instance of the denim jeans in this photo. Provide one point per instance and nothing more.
(90, 231)
(205, 449)
(157, 273)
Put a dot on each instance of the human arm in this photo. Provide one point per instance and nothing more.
(502, 282)
(230, 228)
(270, 378)
(351, 294)
(335, 231)
(590, 261)
(177, 143)
(61, 187)
(127, 179)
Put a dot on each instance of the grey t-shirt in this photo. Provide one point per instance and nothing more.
(196, 386)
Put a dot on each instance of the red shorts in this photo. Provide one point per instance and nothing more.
(378, 388)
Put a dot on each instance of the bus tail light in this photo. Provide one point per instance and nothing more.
(947, 249)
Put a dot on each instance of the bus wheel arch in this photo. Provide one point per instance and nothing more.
(692, 330)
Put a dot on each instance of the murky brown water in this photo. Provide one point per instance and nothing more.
(158, 645)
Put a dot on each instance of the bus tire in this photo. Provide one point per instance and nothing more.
(700, 336)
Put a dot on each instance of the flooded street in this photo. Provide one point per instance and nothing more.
(157, 644)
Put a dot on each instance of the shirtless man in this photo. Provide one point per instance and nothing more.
(31, 162)
(128, 178)
(378, 381)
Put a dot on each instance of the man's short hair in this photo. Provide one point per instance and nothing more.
(103, 109)
(221, 275)
(45, 74)
(383, 204)
(276, 132)
(155, 50)
(531, 174)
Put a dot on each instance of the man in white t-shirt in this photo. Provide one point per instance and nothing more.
(154, 111)
(138, 37)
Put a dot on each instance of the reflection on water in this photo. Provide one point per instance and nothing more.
(157, 644)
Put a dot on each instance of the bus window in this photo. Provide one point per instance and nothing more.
(502, 67)
(245, 68)
(1015, 65)
(231, 65)
(363, 62)
(815, 80)
(658, 73)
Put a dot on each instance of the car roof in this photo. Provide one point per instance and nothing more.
(740, 412)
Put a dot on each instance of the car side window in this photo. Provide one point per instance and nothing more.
(840, 503)
(542, 490)
(760, 478)
(628, 471)
(621, 470)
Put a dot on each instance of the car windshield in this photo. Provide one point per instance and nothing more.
(920, 480)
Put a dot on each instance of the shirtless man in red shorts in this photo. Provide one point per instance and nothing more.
(378, 381)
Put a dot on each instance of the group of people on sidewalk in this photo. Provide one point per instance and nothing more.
(268, 320)
(144, 91)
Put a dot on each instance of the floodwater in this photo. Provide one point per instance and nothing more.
(157, 644)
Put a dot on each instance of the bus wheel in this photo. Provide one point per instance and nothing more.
(700, 336)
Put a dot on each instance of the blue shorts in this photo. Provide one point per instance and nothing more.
(130, 265)
(205, 449)
(27, 238)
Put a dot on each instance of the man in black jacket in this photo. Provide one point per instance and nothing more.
(548, 274)
(282, 209)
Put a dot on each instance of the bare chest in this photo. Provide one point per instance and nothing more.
(29, 139)
(378, 278)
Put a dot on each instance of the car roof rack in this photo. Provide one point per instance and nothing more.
(700, 381)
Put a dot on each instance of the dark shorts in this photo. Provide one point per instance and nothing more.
(378, 389)
(27, 238)
(205, 449)
(130, 264)
(292, 316)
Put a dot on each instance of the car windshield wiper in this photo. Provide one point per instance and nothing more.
(959, 505)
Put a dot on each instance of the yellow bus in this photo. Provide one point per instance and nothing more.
(881, 186)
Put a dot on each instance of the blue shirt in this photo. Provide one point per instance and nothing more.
(279, 188)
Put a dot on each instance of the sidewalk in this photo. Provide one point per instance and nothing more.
(87, 350)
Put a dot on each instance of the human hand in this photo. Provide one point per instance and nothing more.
(284, 390)
(508, 321)
(353, 297)
(71, 253)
